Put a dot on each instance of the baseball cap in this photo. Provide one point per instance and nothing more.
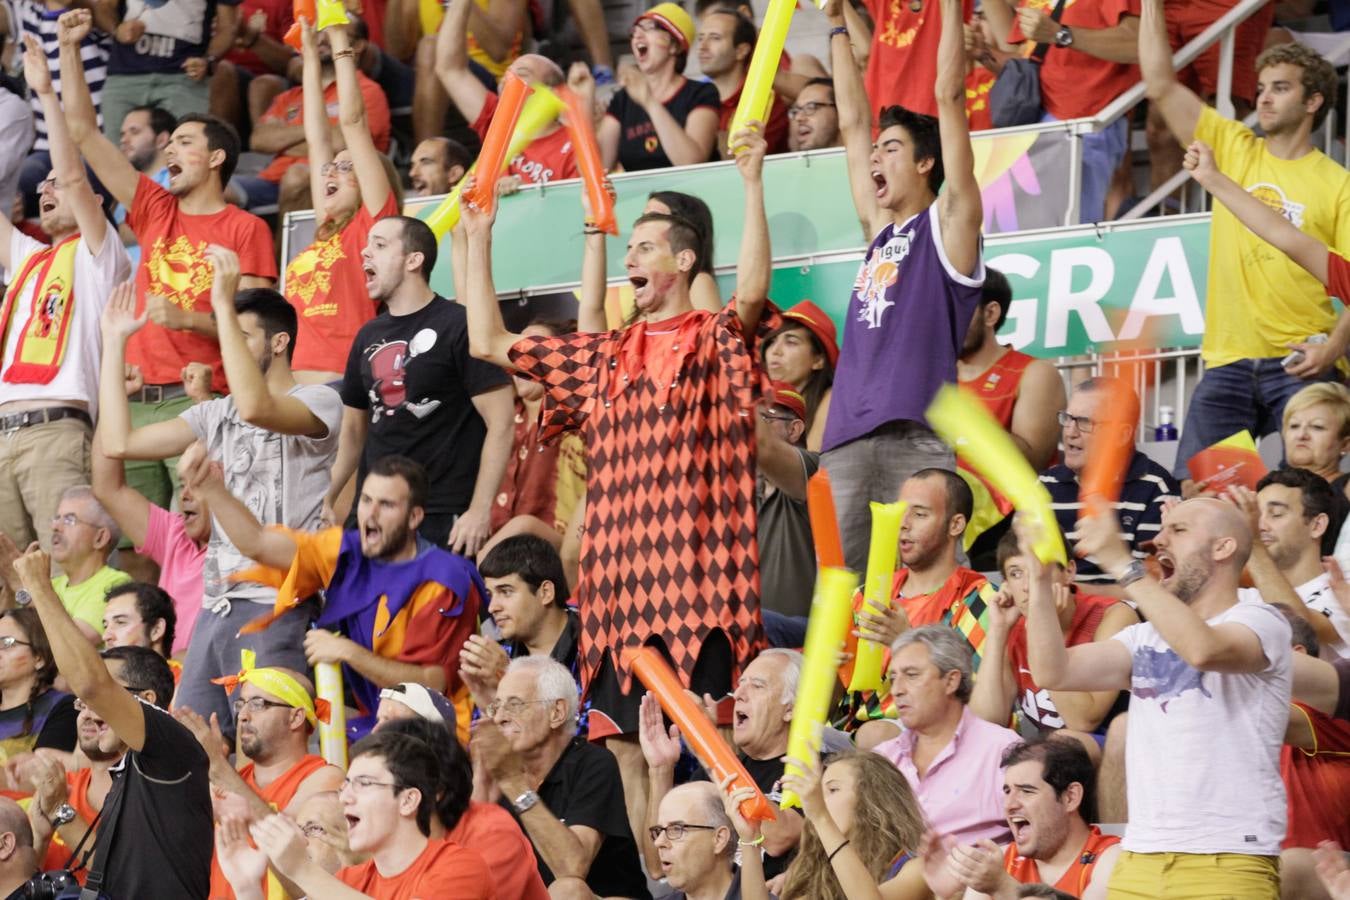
(816, 321)
(428, 704)
(785, 395)
(673, 18)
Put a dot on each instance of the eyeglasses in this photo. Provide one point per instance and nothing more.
(771, 417)
(69, 520)
(807, 109)
(513, 707)
(257, 705)
(648, 25)
(313, 830)
(343, 166)
(365, 783)
(676, 830)
(10, 641)
(81, 706)
(48, 183)
(1084, 424)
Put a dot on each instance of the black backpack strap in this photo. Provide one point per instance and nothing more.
(1038, 54)
(110, 813)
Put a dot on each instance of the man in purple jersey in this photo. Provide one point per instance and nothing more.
(918, 286)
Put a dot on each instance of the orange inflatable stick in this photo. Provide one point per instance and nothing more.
(652, 670)
(495, 142)
(1110, 448)
(582, 130)
(824, 521)
(301, 9)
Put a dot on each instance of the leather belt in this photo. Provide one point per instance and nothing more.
(158, 393)
(41, 416)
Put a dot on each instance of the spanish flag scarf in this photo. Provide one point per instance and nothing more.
(43, 338)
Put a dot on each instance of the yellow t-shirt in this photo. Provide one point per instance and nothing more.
(87, 600)
(1259, 300)
(497, 67)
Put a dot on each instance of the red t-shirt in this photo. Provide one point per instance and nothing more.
(903, 66)
(1338, 276)
(279, 14)
(1035, 704)
(288, 107)
(443, 871)
(979, 82)
(174, 266)
(326, 286)
(775, 130)
(493, 832)
(1076, 84)
(550, 158)
(1317, 783)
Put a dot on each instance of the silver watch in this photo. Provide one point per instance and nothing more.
(22, 597)
(1064, 37)
(1133, 572)
(525, 801)
(62, 815)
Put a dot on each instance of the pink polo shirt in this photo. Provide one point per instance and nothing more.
(961, 794)
(180, 569)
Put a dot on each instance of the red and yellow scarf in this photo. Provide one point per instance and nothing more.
(43, 338)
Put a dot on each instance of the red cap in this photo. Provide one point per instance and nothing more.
(815, 320)
(785, 395)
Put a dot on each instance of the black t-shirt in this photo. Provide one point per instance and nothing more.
(639, 147)
(414, 375)
(162, 842)
(51, 723)
(787, 559)
(174, 31)
(584, 788)
(766, 773)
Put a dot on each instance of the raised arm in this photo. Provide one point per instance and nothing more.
(778, 461)
(855, 122)
(314, 114)
(1085, 710)
(754, 266)
(112, 168)
(128, 507)
(1179, 105)
(594, 281)
(488, 338)
(253, 397)
(992, 698)
(370, 176)
(66, 162)
(960, 209)
(271, 547)
(452, 62)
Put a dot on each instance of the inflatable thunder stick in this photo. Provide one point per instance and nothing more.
(300, 9)
(824, 522)
(757, 91)
(330, 12)
(886, 520)
(698, 732)
(496, 141)
(831, 617)
(582, 131)
(1109, 449)
(430, 13)
(333, 733)
(542, 107)
(962, 420)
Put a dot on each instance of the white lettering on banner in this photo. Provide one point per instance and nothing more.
(1168, 257)
(1022, 311)
(1062, 299)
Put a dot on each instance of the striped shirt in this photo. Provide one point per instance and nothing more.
(36, 19)
(1147, 485)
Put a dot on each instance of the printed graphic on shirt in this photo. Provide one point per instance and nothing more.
(388, 371)
(1164, 676)
(254, 474)
(878, 273)
(181, 20)
(1038, 706)
(310, 273)
(178, 272)
(1273, 196)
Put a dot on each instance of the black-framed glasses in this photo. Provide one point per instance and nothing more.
(1084, 424)
(513, 707)
(10, 640)
(257, 704)
(807, 109)
(676, 830)
(365, 783)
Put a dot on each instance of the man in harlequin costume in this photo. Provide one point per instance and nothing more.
(400, 606)
(667, 410)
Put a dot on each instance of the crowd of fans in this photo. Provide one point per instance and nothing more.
(212, 491)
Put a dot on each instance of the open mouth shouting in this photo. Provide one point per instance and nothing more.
(880, 181)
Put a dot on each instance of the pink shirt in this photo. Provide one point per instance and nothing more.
(961, 794)
(180, 569)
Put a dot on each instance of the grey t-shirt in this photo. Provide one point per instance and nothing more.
(787, 557)
(281, 478)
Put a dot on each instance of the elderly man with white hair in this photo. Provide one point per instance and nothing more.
(565, 792)
(951, 756)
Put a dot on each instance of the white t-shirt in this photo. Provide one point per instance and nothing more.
(95, 276)
(1203, 748)
(282, 479)
(1316, 595)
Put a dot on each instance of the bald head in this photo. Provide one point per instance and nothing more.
(532, 68)
(1224, 520)
(14, 820)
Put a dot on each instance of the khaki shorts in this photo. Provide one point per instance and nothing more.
(37, 465)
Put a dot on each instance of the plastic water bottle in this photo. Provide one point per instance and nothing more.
(1166, 430)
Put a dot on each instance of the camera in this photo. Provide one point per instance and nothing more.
(58, 885)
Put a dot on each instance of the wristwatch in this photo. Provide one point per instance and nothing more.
(22, 597)
(63, 815)
(525, 801)
(1133, 572)
(1064, 37)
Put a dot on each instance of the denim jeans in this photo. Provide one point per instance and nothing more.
(1102, 153)
(1248, 394)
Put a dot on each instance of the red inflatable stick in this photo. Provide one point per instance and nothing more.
(1110, 448)
(652, 670)
(300, 9)
(824, 521)
(582, 131)
(498, 138)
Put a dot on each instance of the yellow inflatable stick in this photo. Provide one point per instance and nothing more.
(430, 12)
(831, 616)
(333, 733)
(541, 109)
(757, 91)
(886, 521)
(963, 421)
(330, 12)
